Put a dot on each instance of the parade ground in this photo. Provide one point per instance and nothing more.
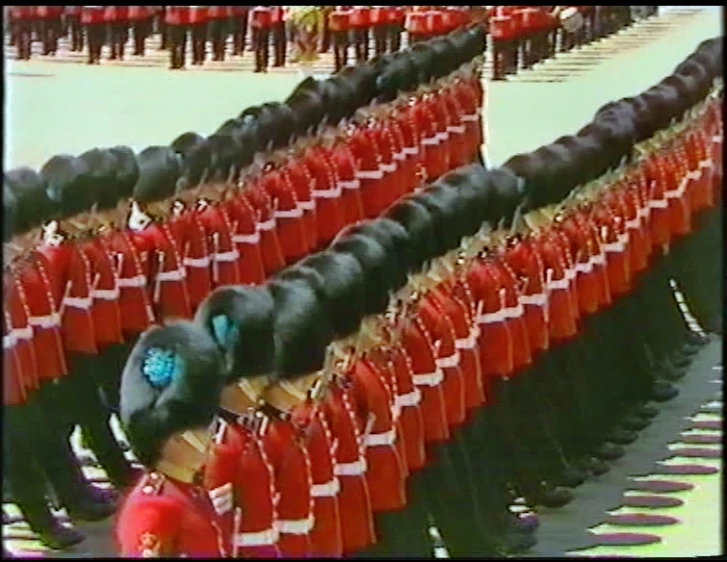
(55, 107)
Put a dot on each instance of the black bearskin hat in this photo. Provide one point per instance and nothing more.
(241, 320)
(33, 207)
(102, 177)
(127, 170)
(67, 185)
(506, 194)
(395, 241)
(418, 222)
(10, 213)
(171, 383)
(159, 170)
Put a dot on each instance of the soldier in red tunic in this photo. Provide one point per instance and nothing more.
(117, 29)
(92, 17)
(72, 15)
(280, 36)
(361, 24)
(217, 31)
(169, 513)
(395, 18)
(340, 25)
(239, 22)
(261, 23)
(140, 18)
(21, 17)
(49, 19)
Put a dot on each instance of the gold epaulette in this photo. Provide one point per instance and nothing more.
(153, 483)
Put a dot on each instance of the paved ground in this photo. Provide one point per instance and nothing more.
(53, 108)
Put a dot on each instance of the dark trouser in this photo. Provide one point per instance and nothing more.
(49, 32)
(261, 44)
(177, 45)
(340, 48)
(77, 401)
(505, 56)
(239, 33)
(163, 29)
(280, 43)
(198, 32)
(50, 446)
(327, 37)
(23, 38)
(381, 34)
(395, 30)
(118, 35)
(76, 31)
(361, 43)
(25, 477)
(95, 36)
(142, 30)
(400, 534)
(218, 35)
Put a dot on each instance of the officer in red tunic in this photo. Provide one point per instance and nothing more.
(140, 18)
(339, 22)
(49, 19)
(217, 30)
(361, 23)
(280, 37)
(72, 15)
(176, 21)
(92, 17)
(198, 20)
(239, 19)
(22, 17)
(117, 26)
(261, 24)
(169, 512)
(395, 19)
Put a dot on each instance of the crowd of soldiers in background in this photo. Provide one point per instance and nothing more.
(522, 35)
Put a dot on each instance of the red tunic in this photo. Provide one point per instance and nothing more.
(349, 184)
(587, 282)
(223, 250)
(163, 517)
(191, 239)
(385, 471)
(245, 235)
(21, 332)
(288, 216)
(297, 176)
(238, 459)
(410, 149)
(561, 319)
(354, 501)
(515, 316)
(326, 192)
(656, 177)
(14, 391)
(293, 480)
(260, 17)
(270, 250)
(362, 143)
(326, 534)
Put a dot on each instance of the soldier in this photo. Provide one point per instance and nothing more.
(49, 18)
(395, 18)
(92, 17)
(176, 20)
(279, 35)
(261, 23)
(177, 364)
(238, 24)
(72, 279)
(326, 36)
(416, 25)
(380, 26)
(340, 29)
(217, 31)
(117, 25)
(360, 22)
(198, 21)
(140, 18)
(21, 22)
(73, 20)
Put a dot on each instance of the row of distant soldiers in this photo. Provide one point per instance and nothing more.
(497, 368)
(341, 27)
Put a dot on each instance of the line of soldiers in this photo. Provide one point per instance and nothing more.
(462, 332)
(92, 285)
(526, 35)
(422, 362)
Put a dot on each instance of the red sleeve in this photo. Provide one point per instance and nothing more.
(148, 527)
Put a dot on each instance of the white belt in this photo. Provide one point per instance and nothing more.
(308, 205)
(470, 117)
(388, 168)
(266, 225)
(624, 238)
(9, 341)
(395, 410)
(537, 299)
(83, 303)
(644, 212)
(295, 526)
(349, 184)
(513, 311)
(105, 294)
(327, 490)
(476, 331)
(492, 317)
(411, 150)
(717, 138)
(246, 238)
(400, 156)
(409, 399)
(450, 361)
(289, 214)
(470, 342)
(369, 174)
(174, 275)
(694, 174)
(570, 274)
(380, 439)
(429, 379)
(558, 284)
(231, 256)
(585, 267)
(260, 538)
(431, 141)
(633, 224)
(456, 129)
(138, 281)
(600, 259)
(614, 247)
(658, 204)
(48, 321)
(23, 333)
(332, 193)
(356, 468)
(706, 163)
(443, 136)
(197, 262)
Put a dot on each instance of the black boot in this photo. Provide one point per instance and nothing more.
(596, 467)
(60, 537)
(549, 496)
(608, 452)
(634, 422)
(622, 436)
(663, 391)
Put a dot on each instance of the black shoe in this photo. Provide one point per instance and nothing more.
(513, 542)
(528, 523)
(622, 436)
(60, 537)
(663, 391)
(646, 411)
(695, 338)
(689, 350)
(553, 497)
(672, 373)
(634, 422)
(595, 466)
(608, 451)
(681, 361)
(572, 477)
(91, 510)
